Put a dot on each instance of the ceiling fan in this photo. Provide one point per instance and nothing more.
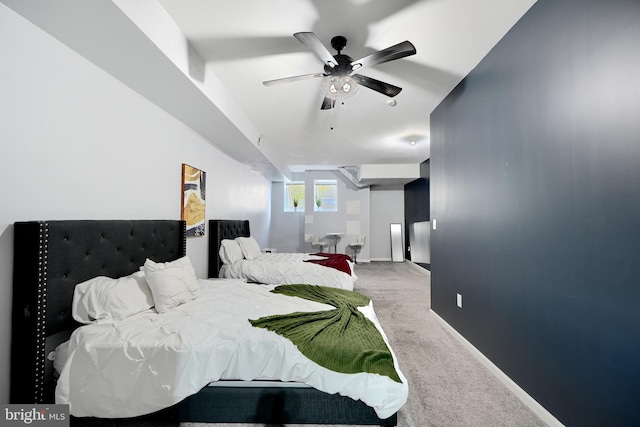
(340, 78)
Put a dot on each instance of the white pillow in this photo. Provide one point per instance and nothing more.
(61, 356)
(103, 298)
(230, 251)
(172, 283)
(250, 248)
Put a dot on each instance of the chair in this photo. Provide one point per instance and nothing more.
(357, 245)
(315, 241)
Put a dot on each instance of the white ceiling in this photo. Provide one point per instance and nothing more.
(246, 42)
(239, 44)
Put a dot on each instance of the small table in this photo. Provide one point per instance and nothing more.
(336, 238)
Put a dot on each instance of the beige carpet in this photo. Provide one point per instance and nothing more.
(448, 387)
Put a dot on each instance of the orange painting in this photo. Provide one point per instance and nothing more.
(193, 199)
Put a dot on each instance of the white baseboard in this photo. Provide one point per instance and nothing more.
(537, 408)
(390, 260)
(416, 265)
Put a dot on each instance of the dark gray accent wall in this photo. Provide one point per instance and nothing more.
(416, 205)
(535, 186)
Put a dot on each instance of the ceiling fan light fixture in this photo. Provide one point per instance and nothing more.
(339, 87)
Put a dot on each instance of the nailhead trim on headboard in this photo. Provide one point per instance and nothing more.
(41, 311)
(184, 240)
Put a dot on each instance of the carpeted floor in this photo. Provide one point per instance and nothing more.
(448, 387)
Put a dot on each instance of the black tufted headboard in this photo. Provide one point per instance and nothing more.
(50, 258)
(220, 229)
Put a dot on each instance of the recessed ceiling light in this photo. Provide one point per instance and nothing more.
(412, 142)
(392, 103)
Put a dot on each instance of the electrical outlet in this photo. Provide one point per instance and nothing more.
(459, 300)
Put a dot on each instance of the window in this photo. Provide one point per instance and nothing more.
(294, 196)
(325, 194)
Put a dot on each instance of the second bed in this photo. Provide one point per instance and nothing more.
(234, 254)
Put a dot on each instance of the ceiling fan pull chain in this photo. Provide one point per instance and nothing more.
(332, 117)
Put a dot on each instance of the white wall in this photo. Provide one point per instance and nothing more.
(387, 207)
(287, 228)
(77, 144)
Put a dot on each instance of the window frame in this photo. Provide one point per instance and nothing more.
(321, 208)
(288, 201)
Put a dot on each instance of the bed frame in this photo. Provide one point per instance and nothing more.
(51, 257)
(220, 229)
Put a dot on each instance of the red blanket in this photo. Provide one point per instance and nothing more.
(337, 261)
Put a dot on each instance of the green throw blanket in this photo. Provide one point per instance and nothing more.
(342, 339)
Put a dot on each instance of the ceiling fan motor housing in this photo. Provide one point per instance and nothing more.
(343, 68)
(344, 62)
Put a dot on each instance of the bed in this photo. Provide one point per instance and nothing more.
(324, 269)
(50, 258)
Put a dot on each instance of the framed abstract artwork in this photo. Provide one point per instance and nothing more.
(193, 199)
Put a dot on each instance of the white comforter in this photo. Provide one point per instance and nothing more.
(151, 361)
(287, 269)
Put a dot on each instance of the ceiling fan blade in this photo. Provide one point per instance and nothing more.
(328, 103)
(311, 41)
(291, 79)
(400, 50)
(382, 87)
